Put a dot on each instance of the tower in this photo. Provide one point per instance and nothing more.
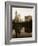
(16, 13)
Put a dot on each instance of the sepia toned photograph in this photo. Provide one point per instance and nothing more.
(21, 22)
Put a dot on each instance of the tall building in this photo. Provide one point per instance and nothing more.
(17, 17)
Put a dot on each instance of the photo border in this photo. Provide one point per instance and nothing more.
(8, 21)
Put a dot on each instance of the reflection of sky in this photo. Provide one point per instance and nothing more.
(22, 11)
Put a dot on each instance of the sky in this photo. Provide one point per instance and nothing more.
(22, 11)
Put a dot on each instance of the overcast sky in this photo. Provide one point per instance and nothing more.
(22, 11)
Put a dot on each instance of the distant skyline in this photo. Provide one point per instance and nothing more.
(22, 12)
